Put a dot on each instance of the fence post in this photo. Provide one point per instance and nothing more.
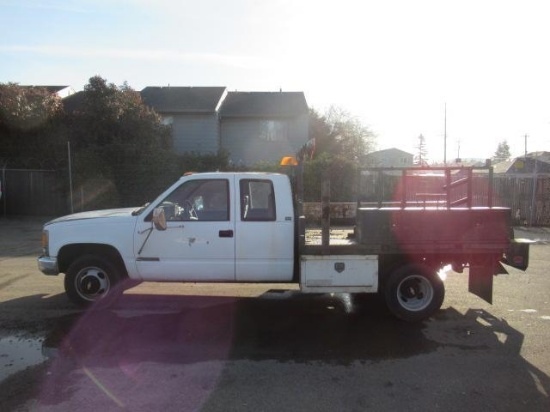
(70, 176)
(325, 212)
(534, 195)
(4, 190)
(491, 182)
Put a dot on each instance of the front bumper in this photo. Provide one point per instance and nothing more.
(48, 265)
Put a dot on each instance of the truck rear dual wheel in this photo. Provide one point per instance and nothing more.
(92, 279)
(414, 292)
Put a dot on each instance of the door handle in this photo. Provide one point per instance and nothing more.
(226, 233)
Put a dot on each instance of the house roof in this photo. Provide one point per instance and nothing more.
(391, 150)
(525, 164)
(50, 89)
(168, 100)
(540, 156)
(74, 102)
(264, 104)
(183, 99)
(503, 167)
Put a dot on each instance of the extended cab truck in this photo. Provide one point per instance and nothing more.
(243, 227)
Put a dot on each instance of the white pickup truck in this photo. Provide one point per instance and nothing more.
(242, 227)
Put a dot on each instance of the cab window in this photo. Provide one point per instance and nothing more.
(202, 200)
(257, 200)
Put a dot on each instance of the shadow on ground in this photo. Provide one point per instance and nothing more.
(192, 346)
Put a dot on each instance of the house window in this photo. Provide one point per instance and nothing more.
(168, 120)
(257, 200)
(273, 130)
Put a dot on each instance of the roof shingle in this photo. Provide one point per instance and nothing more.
(264, 104)
(183, 99)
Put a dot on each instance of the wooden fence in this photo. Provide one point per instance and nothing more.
(32, 193)
(528, 196)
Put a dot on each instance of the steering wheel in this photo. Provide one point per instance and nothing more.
(191, 212)
(172, 210)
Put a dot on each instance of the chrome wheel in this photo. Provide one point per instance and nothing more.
(92, 283)
(92, 278)
(414, 293)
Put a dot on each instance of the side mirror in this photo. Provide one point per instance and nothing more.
(159, 218)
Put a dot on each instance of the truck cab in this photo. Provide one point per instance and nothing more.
(220, 227)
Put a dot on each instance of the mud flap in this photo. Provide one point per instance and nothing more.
(517, 255)
(480, 282)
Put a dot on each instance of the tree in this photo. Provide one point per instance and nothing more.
(340, 134)
(28, 118)
(341, 142)
(421, 157)
(341, 172)
(119, 140)
(502, 153)
(26, 108)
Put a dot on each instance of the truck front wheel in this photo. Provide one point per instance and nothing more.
(90, 279)
(414, 292)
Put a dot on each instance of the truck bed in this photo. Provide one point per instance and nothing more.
(417, 230)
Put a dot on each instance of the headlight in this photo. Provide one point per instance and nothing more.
(45, 243)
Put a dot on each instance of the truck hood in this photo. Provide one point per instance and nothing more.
(95, 214)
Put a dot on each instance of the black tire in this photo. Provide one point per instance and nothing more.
(91, 279)
(414, 292)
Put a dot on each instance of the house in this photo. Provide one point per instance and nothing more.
(389, 158)
(263, 126)
(192, 112)
(535, 162)
(74, 103)
(251, 126)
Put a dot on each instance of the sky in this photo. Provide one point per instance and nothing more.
(475, 71)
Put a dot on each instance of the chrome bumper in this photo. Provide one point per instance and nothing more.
(48, 265)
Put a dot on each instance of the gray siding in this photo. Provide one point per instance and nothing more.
(195, 133)
(250, 141)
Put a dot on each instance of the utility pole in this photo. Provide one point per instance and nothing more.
(526, 145)
(532, 216)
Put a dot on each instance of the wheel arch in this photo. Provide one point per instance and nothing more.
(68, 253)
(432, 261)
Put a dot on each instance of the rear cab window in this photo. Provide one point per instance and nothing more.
(257, 200)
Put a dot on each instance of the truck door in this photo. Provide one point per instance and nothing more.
(265, 230)
(199, 242)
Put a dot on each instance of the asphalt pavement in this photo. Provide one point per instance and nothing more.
(267, 347)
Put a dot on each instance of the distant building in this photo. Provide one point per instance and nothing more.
(389, 158)
(538, 162)
(74, 103)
